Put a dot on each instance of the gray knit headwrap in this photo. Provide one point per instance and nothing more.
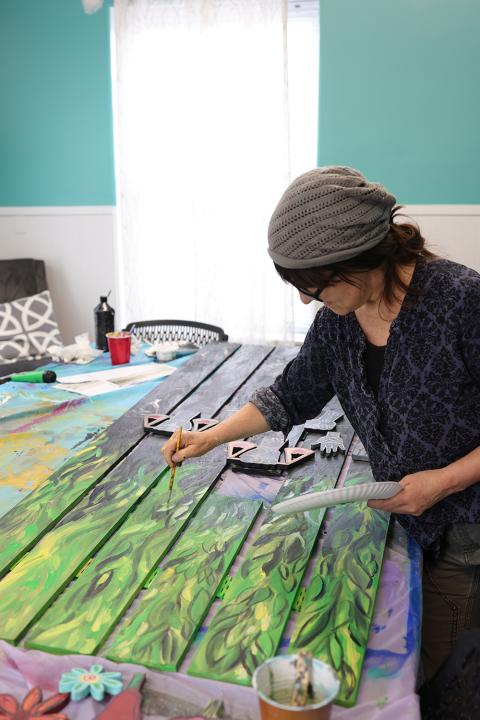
(327, 215)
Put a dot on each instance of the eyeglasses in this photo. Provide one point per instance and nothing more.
(316, 295)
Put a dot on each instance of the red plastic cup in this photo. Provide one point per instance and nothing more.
(119, 347)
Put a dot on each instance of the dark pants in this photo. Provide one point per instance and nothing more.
(451, 594)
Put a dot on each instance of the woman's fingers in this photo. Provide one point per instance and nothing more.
(187, 452)
(192, 444)
(170, 447)
(167, 453)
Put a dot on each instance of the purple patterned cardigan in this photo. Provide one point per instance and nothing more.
(428, 409)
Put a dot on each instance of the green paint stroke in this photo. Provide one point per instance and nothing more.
(335, 619)
(167, 618)
(44, 572)
(86, 612)
(249, 624)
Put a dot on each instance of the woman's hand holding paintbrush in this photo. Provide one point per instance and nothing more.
(181, 446)
(245, 422)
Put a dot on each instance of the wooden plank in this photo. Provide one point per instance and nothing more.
(217, 390)
(28, 521)
(334, 622)
(263, 376)
(249, 624)
(164, 623)
(268, 444)
(180, 384)
(86, 612)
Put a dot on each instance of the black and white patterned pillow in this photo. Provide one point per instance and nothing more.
(27, 328)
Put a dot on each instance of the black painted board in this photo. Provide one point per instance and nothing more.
(226, 382)
(262, 377)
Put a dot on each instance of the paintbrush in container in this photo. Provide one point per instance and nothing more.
(302, 687)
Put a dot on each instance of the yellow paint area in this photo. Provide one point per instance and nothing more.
(29, 449)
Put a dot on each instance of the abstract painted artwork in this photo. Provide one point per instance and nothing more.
(40, 576)
(57, 557)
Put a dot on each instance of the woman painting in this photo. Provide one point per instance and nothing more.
(398, 341)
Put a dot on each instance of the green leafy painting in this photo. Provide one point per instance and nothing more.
(84, 615)
(164, 623)
(44, 572)
(336, 614)
(249, 624)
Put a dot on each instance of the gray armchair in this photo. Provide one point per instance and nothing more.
(18, 279)
(21, 278)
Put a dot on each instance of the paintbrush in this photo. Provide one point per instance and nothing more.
(172, 471)
(302, 686)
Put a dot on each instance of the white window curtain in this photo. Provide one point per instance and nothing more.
(203, 155)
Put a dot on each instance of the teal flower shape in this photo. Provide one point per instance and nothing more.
(80, 683)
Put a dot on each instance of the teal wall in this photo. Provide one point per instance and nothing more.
(56, 137)
(400, 95)
(399, 99)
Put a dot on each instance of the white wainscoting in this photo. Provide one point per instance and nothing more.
(452, 231)
(78, 247)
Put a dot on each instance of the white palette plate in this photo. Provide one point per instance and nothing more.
(325, 498)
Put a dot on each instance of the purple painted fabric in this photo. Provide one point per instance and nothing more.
(428, 410)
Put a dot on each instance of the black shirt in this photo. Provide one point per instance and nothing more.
(374, 355)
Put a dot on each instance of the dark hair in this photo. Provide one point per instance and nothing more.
(402, 245)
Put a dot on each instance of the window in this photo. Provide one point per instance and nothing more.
(216, 112)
